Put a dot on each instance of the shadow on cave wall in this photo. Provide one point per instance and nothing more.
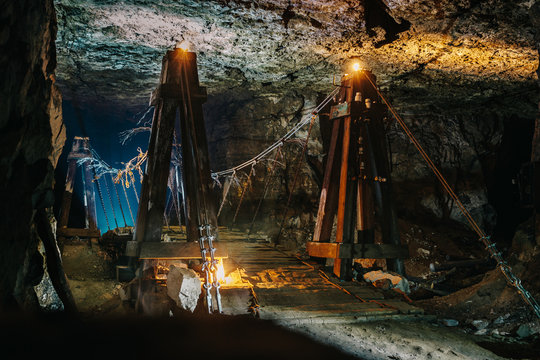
(502, 182)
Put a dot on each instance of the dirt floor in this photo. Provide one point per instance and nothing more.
(398, 340)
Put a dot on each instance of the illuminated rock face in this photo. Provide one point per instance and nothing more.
(115, 48)
(460, 72)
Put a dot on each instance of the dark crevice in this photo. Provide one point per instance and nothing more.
(376, 15)
(287, 15)
(503, 190)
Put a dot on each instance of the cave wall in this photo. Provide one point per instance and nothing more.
(241, 122)
(32, 135)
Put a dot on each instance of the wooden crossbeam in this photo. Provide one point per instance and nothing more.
(71, 232)
(177, 250)
(357, 251)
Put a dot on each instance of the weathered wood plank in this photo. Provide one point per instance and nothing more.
(68, 194)
(177, 250)
(323, 210)
(71, 232)
(358, 251)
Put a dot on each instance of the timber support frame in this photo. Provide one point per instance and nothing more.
(80, 150)
(357, 187)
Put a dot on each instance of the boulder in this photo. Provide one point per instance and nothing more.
(387, 280)
(184, 287)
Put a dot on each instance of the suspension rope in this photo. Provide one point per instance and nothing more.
(244, 190)
(430, 163)
(133, 186)
(96, 180)
(511, 278)
(166, 212)
(266, 186)
(179, 192)
(110, 201)
(171, 185)
(118, 197)
(297, 172)
(280, 141)
(129, 206)
(226, 189)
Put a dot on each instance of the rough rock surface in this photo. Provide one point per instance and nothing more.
(417, 47)
(184, 287)
(31, 139)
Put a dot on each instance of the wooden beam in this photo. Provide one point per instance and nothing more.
(195, 96)
(172, 91)
(71, 232)
(358, 251)
(178, 250)
(154, 186)
(343, 179)
(68, 194)
(323, 210)
(323, 249)
(344, 182)
(89, 196)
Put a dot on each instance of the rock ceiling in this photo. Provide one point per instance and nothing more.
(451, 52)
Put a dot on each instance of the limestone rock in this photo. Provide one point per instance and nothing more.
(184, 287)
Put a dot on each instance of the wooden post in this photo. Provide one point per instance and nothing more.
(179, 90)
(89, 197)
(324, 226)
(358, 162)
(344, 188)
(79, 150)
(189, 176)
(68, 194)
(201, 204)
(154, 185)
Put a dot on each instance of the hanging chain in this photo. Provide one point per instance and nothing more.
(209, 267)
(511, 278)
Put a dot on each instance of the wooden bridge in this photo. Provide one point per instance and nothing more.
(288, 289)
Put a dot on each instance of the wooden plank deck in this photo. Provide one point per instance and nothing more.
(290, 290)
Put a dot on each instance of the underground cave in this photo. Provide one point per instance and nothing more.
(270, 179)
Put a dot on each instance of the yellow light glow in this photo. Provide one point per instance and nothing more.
(184, 45)
(356, 66)
(220, 273)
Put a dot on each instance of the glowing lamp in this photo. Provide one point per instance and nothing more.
(184, 45)
(356, 66)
